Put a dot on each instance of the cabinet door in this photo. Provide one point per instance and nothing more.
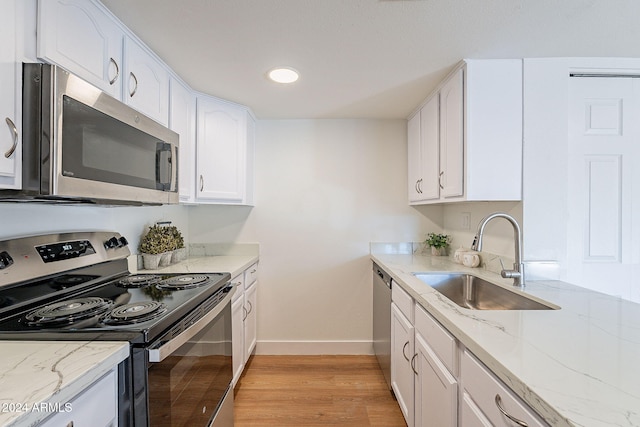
(471, 415)
(436, 390)
(81, 37)
(250, 321)
(402, 359)
(182, 120)
(429, 143)
(237, 332)
(413, 154)
(97, 406)
(146, 82)
(9, 132)
(221, 151)
(452, 136)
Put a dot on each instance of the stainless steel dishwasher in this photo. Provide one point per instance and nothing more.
(382, 320)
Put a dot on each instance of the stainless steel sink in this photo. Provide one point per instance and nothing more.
(472, 292)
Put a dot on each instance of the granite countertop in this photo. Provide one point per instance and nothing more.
(575, 366)
(37, 373)
(234, 264)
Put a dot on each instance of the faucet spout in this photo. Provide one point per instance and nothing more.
(517, 274)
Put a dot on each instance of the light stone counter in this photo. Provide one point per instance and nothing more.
(576, 366)
(208, 258)
(35, 374)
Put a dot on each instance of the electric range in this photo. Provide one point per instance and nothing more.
(77, 286)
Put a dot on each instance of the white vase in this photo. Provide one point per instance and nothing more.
(151, 261)
(165, 258)
(178, 255)
(438, 251)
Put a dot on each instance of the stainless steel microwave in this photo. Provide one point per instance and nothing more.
(81, 145)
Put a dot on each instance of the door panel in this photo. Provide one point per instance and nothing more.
(603, 241)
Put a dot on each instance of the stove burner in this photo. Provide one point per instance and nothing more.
(67, 312)
(139, 281)
(70, 280)
(134, 313)
(186, 281)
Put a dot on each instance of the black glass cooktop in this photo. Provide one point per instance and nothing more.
(94, 300)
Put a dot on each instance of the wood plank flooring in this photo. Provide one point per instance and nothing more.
(313, 391)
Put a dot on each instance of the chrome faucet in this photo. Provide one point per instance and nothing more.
(517, 274)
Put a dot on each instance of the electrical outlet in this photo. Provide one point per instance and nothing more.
(465, 223)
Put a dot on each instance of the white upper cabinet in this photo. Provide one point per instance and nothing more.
(423, 135)
(465, 140)
(224, 152)
(81, 37)
(146, 82)
(182, 120)
(9, 112)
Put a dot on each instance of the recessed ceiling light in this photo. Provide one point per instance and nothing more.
(283, 75)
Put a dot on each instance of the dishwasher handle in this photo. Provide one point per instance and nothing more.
(384, 277)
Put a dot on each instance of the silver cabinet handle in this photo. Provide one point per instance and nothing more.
(506, 414)
(404, 347)
(253, 271)
(201, 183)
(250, 307)
(440, 180)
(115, 64)
(135, 89)
(413, 364)
(416, 187)
(14, 131)
(246, 313)
(70, 424)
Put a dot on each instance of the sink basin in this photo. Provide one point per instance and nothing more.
(472, 292)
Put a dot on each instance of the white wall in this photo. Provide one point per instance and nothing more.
(324, 190)
(23, 219)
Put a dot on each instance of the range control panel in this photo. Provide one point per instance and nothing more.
(65, 250)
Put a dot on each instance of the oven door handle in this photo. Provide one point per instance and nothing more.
(160, 353)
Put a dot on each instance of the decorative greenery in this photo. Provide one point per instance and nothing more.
(160, 239)
(437, 240)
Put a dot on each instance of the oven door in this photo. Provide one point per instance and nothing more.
(189, 376)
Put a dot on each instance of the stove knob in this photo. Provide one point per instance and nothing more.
(5, 260)
(122, 241)
(111, 243)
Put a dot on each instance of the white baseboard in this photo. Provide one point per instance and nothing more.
(314, 347)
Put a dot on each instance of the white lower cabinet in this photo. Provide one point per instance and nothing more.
(436, 387)
(243, 319)
(402, 351)
(488, 402)
(439, 383)
(237, 327)
(96, 406)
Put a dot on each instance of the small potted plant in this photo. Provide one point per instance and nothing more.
(179, 251)
(438, 243)
(156, 247)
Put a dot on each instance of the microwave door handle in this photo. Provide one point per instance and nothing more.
(161, 353)
(163, 162)
(174, 168)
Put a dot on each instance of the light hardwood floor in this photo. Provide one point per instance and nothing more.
(313, 391)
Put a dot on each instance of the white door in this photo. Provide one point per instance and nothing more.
(603, 244)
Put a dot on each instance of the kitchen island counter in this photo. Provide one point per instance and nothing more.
(36, 376)
(575, 366)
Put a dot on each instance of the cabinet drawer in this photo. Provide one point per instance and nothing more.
(238, 283)
(482, 387)
(438, 338)
(403, 300)
(250, 275)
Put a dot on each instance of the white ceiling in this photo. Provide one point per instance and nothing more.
(363, 58)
